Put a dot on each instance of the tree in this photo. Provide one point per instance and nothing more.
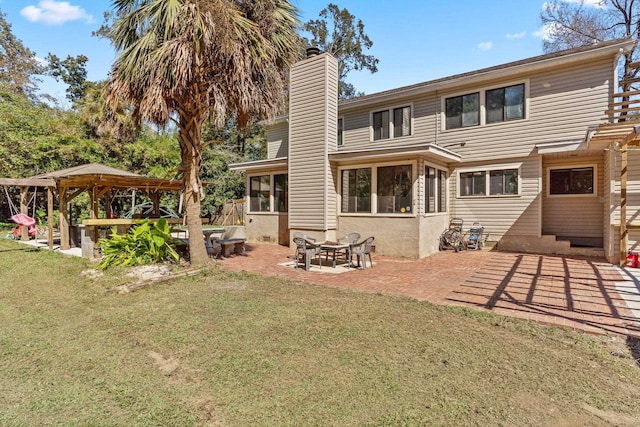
(338, 33)
(18, 64)
(574, 24)
(72, 71)
(187, 61)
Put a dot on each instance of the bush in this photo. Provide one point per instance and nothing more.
(145, 243)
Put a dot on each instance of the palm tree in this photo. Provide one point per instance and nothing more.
(189, 61)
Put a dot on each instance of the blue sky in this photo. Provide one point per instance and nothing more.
(415, 40)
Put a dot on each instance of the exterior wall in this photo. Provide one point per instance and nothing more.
(312, 134)
(562, 103)
(262, 227)
(278, 140)
(502, 215)
(579, 217)
(393, 236)
(431, 227)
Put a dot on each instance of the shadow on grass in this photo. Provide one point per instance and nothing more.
(30, 249)
(634, 346)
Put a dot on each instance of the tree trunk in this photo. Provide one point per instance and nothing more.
(189, 136)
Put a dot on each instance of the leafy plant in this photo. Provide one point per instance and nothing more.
(145, 243)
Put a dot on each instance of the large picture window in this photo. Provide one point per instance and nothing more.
(571, 180)
(356, 190)
(435, 190)
(259, 193)
(505, 103)
(394, 189)
(281, 194)
(497, 182)
(463, 111)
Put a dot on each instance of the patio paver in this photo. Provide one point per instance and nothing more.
(578, 293)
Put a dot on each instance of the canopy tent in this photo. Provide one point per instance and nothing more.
(96, 179)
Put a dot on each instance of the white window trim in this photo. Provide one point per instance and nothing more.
(272, 198)
(391, 127)
(374, 189)
(572, 166)
(486, 169)
(483, 110)
(446, 195)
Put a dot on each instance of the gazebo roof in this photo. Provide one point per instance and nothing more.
(88, 169)
(99, 175)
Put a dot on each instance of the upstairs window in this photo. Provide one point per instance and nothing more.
(380, 125)
(340, 125)
(463, 111)
(393, 123)
(505, 104)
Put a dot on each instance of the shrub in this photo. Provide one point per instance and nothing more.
(145, 243)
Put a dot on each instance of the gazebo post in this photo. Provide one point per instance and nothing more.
(24, 209)
(50, 217)
(155, 198)
(107, 204)
(94, 203)
(623, 204)
(63, 222)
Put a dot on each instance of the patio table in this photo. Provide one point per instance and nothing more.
(335, 249)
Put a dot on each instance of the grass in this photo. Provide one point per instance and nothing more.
(239, 349)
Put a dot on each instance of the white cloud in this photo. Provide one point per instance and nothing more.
(485, 45)
(600, 4)
(55, 12)
(544, 33)
(512, 36)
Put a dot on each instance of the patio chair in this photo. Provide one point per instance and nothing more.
(361, 250)
(306, 250)
(304, 236)
(350, 239)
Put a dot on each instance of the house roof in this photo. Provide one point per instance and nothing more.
(578, 54)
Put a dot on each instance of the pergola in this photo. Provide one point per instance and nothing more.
(96, 179)
(621, 131)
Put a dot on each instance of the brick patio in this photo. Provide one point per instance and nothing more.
(578, 293)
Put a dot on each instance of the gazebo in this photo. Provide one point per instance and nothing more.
(96, 179)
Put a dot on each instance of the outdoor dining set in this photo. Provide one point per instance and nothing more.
(344, 250)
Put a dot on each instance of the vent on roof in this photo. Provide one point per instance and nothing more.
(312, 51)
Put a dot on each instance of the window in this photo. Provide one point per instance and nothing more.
(473, 184)
(281, 195)
(394, 123)
(401, 122)
(394, 189)
(571, 181)
(435, 190)
(356, 190)
(503, 182)
(259, 192)
(463, 111)
(505, 104)
(498, 182)
(380, 125)
(340, 124)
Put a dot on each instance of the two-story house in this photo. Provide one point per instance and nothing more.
(508, 146)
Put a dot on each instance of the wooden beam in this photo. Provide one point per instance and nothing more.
(623, 205)
(24, 209)
(621, 110)
(629, 81)
(50, 217)
(27, 182)
(634, 65)
(625, 94)
(63, 221)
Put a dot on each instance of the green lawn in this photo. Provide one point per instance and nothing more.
(238, 349)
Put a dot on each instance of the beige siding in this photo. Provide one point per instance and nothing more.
(517, 215)
(574, 215)
(278, 140)
(562, 104)
(312, 133)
